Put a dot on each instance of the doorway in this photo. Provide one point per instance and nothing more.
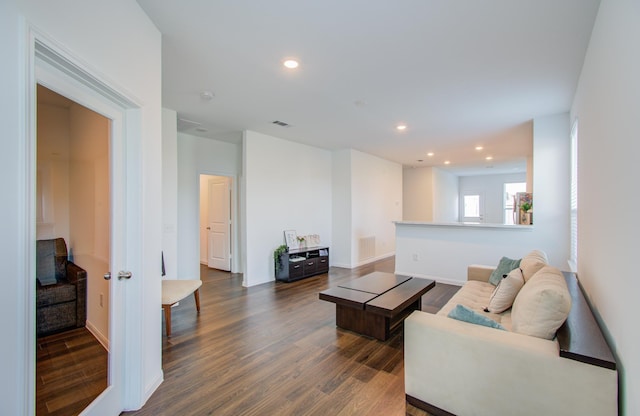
(73, 203)
(57, 72)
(216, 221)
(472, 207)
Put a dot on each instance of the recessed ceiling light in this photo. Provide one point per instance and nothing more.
(489, 158)
(479, 148)
(401, 127)
(291, 63)
(446, 162)
(430, 154)
(206, 95)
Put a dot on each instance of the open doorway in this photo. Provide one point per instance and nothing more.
(216, 221)
(73, 203)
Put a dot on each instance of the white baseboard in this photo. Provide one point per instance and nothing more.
(152, 387)
(102, 339)
(436, 278)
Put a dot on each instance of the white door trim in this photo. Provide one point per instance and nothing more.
(53, 66)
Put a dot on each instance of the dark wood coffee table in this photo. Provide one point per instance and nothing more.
(375, 304)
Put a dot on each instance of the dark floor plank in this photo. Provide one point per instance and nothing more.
(71, 371)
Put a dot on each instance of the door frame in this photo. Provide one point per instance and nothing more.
(51, 65)
(234, 246)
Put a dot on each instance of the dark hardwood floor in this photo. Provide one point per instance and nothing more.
(274, 349)
(71, 371)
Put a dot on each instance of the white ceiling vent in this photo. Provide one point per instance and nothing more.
(281, 123)
(184, 124)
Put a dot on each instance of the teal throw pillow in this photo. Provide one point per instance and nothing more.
(462, 313)
(504, 267)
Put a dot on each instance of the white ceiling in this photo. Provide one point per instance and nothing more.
(459, 73)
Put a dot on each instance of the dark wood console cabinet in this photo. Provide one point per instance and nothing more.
(300, 263)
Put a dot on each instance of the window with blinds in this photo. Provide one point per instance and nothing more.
(573, 256)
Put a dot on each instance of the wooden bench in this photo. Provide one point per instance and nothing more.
(174, 291)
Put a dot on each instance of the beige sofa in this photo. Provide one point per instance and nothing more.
(461, 368)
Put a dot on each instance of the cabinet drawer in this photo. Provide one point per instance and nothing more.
(323, 264)
(310, 265)
(295, 269)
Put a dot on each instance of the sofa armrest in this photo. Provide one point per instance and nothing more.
(75, 273)
(471, 369)
(78, 276)
(479, 272)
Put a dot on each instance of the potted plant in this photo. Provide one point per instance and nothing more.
(277, 253)
(301, 242)
(526, 208)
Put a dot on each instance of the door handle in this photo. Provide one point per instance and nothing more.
(208, 228)
(124, 275)
(107, 276)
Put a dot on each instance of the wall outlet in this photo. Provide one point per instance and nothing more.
(415, 256)
(101, 298)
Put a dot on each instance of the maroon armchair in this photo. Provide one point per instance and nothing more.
(61, 289)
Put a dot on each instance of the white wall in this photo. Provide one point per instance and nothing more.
(367, 197)
(376, 201)
(417, 194)
(340, 253)
(606, 106)
(287, 186)
(170, 193)
(492, 189)
(53, 172)
(13, 384)
(204, 215)
(445, 196)
(89, 210)
(197, 155)
(445, 252)
(122, 48)
(429, 194)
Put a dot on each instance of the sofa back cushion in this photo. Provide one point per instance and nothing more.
(51, 261)
(533, 262)
(542, 305)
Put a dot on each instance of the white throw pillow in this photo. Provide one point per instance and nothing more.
(542, 305)
(533, 262)
(503, 295)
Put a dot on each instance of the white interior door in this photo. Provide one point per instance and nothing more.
(472, 209)
(219, 223)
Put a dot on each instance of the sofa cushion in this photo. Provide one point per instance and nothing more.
(533, 262)
(504, 294)
(542, 305)
(46, 262)
(462, 313)
(504, 267)
(55, 294)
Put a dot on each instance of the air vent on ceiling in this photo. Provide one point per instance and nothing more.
(281, 123)
(184, 124)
